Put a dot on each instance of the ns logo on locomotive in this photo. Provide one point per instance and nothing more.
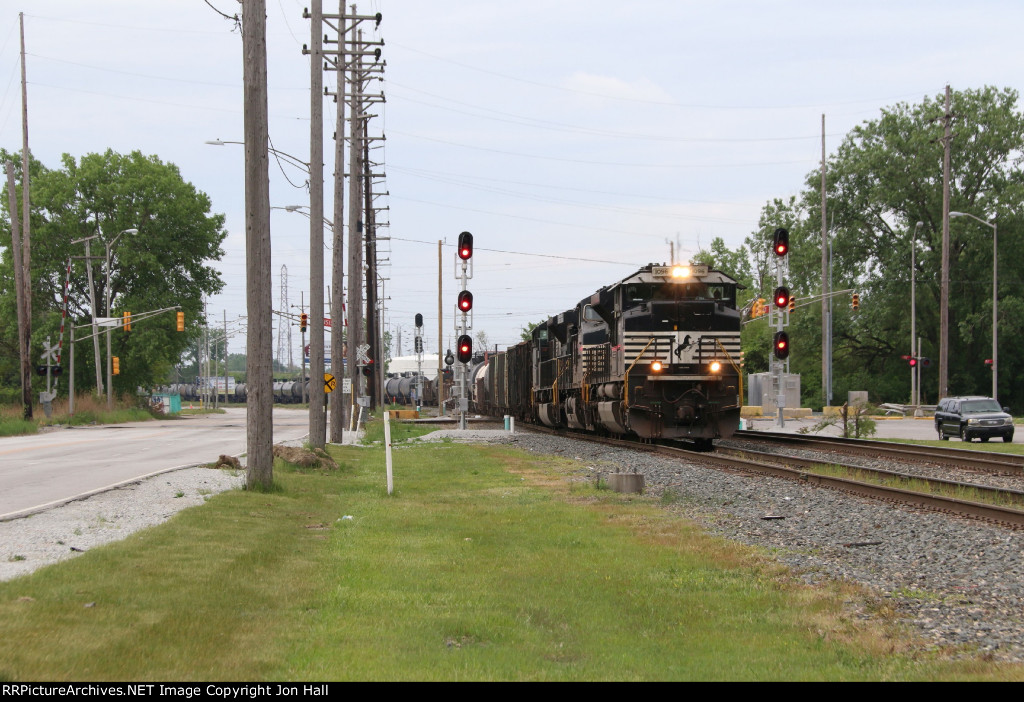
(655, 354)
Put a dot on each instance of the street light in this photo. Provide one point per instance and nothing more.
(995, 298)
(109, 246)
(915, 389)
(294, 161)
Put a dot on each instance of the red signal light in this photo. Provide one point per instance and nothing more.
(464, 350)
(913, 362)
(465, 246)
(465, 301)
(781, 345)
(780, 242)
(781, 296)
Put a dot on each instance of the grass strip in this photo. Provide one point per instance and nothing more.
(486, 564)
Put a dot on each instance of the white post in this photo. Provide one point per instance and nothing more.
(387, 450)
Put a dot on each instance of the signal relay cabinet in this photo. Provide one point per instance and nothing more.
(761, 391)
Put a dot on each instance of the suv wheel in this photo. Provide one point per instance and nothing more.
(963, 435)
(1008, 439)
(942, 436)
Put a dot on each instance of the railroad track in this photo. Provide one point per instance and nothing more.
(998, 463)
(1003, 506)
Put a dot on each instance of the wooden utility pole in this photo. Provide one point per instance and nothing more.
(355, 223)
(26, 204)
(947, 138)
(338, 408)
(259, 342)
(25, 360)
(826, 365)
(317, 416)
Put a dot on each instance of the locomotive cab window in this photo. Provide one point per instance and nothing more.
(639, 293)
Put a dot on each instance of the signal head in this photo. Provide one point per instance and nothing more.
(781, 297)
(780, 343)
(780, 242)
(465, 301)
(465, 246)
(464, 349)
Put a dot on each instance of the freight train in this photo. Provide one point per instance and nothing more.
(655, 355)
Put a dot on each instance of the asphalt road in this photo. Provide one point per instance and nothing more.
(43, 470)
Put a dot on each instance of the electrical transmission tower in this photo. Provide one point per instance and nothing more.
(284, 327)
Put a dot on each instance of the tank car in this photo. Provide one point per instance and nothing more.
(654, 355)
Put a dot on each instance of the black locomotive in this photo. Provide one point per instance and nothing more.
(656, 354)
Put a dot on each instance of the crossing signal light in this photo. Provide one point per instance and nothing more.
(781, 296)
(781, 345)
(127, 318)
(855, 302)
(465, 301)
(780, 242)
(465, 349)
(181, 321)
(912, 361)
(117, 365)
(465, 246)
(303, 319)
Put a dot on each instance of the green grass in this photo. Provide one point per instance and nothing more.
(993, 445)
(485, 564)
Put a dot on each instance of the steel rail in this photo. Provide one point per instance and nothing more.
(1007, 464)
(989, 512)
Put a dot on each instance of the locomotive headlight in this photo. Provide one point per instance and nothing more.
(656, 367)
(715, 367)
(681, 272)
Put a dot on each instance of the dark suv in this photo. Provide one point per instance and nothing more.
(973, 417)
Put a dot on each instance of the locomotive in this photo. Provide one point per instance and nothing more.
(654, 355)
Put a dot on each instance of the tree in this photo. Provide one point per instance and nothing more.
(884, 178)
(163, 265)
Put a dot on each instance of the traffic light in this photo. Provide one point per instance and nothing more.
(762, 306)
(117, 365)
(780, 342)
(792, 303)
(465, 349)
(181, 321)
(855, 302)
(303, 319)
(781, 297)
(465, 246)
(127, 318)
(780, 242)
(465, 301)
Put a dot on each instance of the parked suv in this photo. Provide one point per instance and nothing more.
(973, 417)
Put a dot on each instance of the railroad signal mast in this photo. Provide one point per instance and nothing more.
(419, 358)
(463, 321)
(779, 317)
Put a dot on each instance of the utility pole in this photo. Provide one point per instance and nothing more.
(339, 409)
(259, 343)
(317, 416)
(26, 203)
(947, 138)
(20, 293)
(826, 366)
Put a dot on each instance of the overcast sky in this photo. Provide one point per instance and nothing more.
(575, 139)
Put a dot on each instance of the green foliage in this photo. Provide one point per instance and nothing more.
(886, 176)
(164, 265)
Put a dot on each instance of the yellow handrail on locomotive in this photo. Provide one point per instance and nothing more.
(625, 397)
(739, 372)
(558, 374)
